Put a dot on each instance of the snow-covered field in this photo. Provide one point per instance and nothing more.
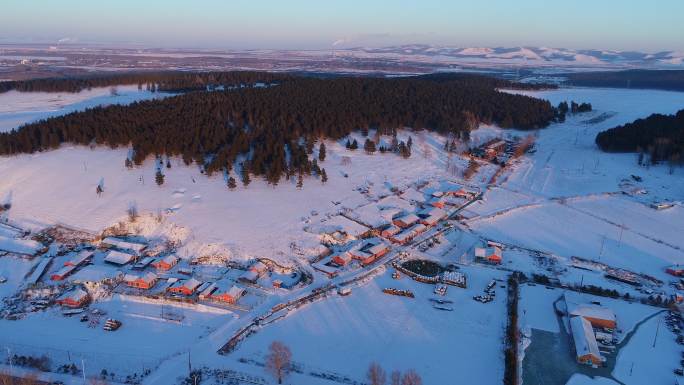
(18, 108)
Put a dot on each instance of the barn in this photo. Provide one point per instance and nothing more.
(586, 347)
(231, 295)
(80, 258)
(75, 298)
(597, 316)
(145, 282)
(165, 263)
(676, 270)
(406, 220)
(341, 258)
(62, 273)
(186, 287)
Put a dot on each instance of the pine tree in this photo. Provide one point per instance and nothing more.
(128, 163)
(321, 152)
(354, 145)
(245, 176)
(369, 146)
(324, 176)
(348, 144)
(409, 143)
(300, 182)
(168, 163)
(159, 178)
(231, 183)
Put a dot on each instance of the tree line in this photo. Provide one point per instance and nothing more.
(658, 137)
(171, 81)
(271, 131)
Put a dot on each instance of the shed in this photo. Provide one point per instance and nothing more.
(166, 263)
(74, 299)
(118, 258)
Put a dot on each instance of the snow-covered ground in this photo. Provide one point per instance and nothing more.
(18, 108)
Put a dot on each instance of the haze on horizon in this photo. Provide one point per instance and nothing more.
(310, 24)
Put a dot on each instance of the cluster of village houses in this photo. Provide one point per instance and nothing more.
(369, 235)
(139, 271)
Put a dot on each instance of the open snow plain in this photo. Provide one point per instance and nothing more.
(563, 200)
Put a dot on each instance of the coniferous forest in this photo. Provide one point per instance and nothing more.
(213, 128)
(661, 137)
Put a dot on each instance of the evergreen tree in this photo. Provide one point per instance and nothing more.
(369, 146)
(354, 145)
(128, 163)
(348, 144)
(244, 173)
(300, 182)
(159, 178)
(168, 163)
(324, 176)
(409, 143)
(321, 152)
(232, 184)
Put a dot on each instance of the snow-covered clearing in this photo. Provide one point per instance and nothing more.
(18, 108)
(464, 345)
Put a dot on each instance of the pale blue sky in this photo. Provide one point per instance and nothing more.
(604, 24)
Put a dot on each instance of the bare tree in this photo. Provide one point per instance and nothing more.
(376, 374)
(411, 378)
(395, 378)
(278, 360)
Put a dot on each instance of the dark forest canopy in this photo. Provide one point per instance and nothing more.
(214, 128)
(659, 136)
(647, 79)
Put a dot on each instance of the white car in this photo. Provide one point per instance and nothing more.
(3, 279)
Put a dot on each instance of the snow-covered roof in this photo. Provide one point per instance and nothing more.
(380, 247)
(121, 244)
(342, 224)
(64, 271)
(235, 291)
(433, 211)
(250, 275)
(408, 219)
(583, 335)
(208, 290)
(19, 246)
(592, 311)
(79, 258)
(118, 257)
(76, 295)
(191, 284)
(392, 229)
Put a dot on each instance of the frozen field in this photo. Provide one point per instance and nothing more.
(400, 333)
(18, 108)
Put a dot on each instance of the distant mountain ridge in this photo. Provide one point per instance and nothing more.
(525, 55)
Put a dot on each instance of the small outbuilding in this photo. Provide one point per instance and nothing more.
(165, 263)
(74, 299)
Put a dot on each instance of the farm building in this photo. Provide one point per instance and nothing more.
(330, 271)
(586, 347)
(490, 254)
(165, 263)
(75, 298)
(206, 293)
(370, 250)
(80, 258)
(598, 316)
(62, 273)
(145, 282)
(406, 220)
(117, 243)
(341, 258)
(390, 231)
(408, 234)
(432, 216)
(143, 263)
(186, 287)
(228, 296)
(676, 270)
(440, 202)
(118, 258)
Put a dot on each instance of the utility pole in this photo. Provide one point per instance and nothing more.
(656, 333)
(9, 357)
